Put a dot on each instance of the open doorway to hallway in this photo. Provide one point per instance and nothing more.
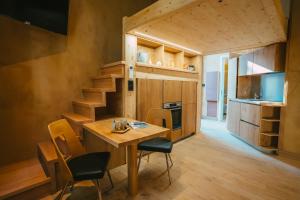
(215, 86)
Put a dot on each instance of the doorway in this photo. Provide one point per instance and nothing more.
(215, 86)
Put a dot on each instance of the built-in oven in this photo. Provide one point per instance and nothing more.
(175, 108)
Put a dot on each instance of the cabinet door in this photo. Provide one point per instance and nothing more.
(250, 113)
(249, 133)
(233, 118)
(149, 95)
(189, 92)
(189, 119)
(246, 64)
(172, 91)
(269, 59)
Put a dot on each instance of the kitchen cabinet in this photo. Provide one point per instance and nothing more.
(246, 64)
(149, 95)
(256, 123)
(250, 113)
(188, 119)
(269, 59)
(233, 117)
(172, 91)
(189, 92)
(249, 133)
(189, 107)
(264, 60)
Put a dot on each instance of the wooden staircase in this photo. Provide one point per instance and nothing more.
(36, 178)
(95, 97)
(24, 180)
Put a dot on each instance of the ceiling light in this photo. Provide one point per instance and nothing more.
(165, 42)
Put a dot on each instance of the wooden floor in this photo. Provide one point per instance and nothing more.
(211, 165)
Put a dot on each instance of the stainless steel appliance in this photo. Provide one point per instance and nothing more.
(175, 108)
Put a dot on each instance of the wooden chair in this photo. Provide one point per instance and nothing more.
(76, 164)
(159, 117)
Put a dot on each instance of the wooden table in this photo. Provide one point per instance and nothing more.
(130, 139)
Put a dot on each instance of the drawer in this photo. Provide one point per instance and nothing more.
(249, 133)
(250, 113)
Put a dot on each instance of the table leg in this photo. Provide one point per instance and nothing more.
(132, 169)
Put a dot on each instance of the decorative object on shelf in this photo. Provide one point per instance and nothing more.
(158, 63)
(142, 57)
(120, 126)
(191, 68)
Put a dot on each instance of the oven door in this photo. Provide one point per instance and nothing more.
(176, 118)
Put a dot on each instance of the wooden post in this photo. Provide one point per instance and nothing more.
(129, 97)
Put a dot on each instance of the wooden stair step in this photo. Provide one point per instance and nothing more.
(108, 76)
(47, 149)
(99, 90)
(20, 177)
(77, 118)
(89, 103)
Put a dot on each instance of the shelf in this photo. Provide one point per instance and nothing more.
(270, 120)
(270, 134)
(270, 148)
(148, 43)
(139, 64)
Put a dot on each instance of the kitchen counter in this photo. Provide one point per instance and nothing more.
(259, 102)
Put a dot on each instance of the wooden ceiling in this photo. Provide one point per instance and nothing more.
(212, 26)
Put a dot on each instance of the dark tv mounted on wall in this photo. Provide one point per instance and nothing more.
(47, 14)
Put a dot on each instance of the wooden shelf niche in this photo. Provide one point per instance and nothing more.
(164, 56)
(269, 130)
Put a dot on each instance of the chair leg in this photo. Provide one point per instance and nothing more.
(140, 157)
(61, 194)
(148, 157)
(98, 189)
(168, 168)
(71, 187)
(110, 179)
(169, 155)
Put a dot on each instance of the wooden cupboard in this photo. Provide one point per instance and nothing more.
(257, 125)
(250, 113)
(188, 119)
(270, 58)
(189, 92)
(246, 64)
(172, 91)
(189, 107)
(249, 133)
(265, 60)
(233, 117)
(152, 93)
(149, 95)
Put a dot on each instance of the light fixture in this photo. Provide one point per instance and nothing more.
(146, 36)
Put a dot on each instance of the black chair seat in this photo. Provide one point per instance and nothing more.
(156, 145)
(89, 166)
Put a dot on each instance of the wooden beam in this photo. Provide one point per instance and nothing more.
(153, 12)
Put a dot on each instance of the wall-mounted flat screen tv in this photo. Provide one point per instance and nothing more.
(47, 14)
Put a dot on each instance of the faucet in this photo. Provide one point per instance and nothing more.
(256, 96)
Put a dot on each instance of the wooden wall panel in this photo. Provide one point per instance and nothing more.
(37, 91)
(290, 126)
